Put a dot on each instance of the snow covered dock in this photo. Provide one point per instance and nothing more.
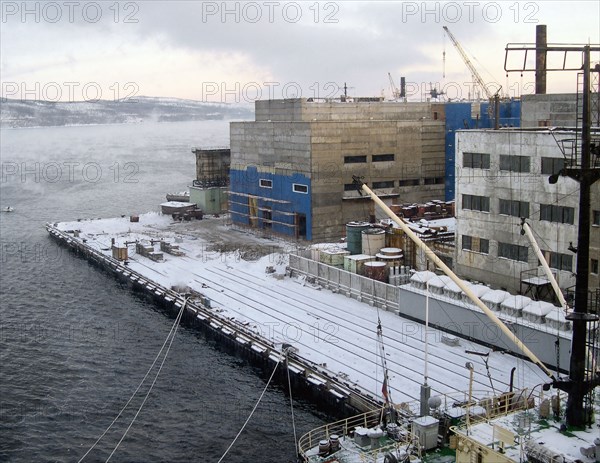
(333, 334)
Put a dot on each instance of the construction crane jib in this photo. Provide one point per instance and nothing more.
(467, 61)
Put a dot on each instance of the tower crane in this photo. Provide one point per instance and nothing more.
(396, 94)
(467, 61)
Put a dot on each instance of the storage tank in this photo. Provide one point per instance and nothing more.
(373, 239)
(354, 237)
(376, 271)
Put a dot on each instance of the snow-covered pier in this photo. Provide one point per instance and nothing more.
(254, 306)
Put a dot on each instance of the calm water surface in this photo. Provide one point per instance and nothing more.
(74, 343)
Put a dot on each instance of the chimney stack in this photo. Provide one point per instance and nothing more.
(541, 42)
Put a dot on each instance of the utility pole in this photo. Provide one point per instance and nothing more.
(581, 381)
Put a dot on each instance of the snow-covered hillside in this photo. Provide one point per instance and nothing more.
(23, 113)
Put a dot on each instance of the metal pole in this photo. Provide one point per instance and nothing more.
(460, 283)
(545, 265)
(576, 415)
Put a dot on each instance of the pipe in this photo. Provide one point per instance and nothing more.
(460, 283)
(545, 266)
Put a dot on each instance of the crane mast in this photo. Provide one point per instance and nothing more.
(467, 61)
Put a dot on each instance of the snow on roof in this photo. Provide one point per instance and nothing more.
(177, 204)
(540, 308)
(422, 277)
(479, 290)
(516, 302)
(440, 281)
(495, 296)
(557, 315)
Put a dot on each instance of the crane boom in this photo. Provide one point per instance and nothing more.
(467, 61)
(395, 91)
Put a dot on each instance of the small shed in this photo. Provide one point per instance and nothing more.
(557, 320)
(494, 298)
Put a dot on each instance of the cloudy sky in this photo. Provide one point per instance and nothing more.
(238, 51)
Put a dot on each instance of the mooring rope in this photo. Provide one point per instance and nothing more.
(252, 412)
(177, 320)
(173, 327)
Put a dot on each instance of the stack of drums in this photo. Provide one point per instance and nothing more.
(391, 256)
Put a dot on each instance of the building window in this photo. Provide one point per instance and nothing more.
(512, 251)
(382, 157)
(476, 203)
(514, 163)
(596, 218)
(559, 214)
(299, 188)
(552, 166)
(476, 160)
(408, 182)
(475, 244)
(354, 159)
(594, 266)
(350, 187)
(384, 184)
(559, 261)
(264, 183)
(514, 208)
(433, 181)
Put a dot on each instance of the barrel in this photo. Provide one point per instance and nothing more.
(373, 239)
(376, 270)
(334, 443)
(353, 236)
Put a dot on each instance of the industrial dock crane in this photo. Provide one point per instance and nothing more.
(467, 61)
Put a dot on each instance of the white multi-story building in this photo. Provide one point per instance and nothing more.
(501, 176)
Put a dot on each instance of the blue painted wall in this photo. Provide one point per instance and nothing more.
(458, 117)
(247, 181)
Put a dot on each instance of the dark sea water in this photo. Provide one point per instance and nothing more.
(74, 343)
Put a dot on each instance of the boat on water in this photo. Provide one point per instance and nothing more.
(511, 426)
(7, 209)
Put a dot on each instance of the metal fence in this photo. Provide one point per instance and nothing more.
(373, 292)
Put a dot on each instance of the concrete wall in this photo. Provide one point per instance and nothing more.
(311, 139)
(532, 187)
(460, 116)
(301, 109)
(549, 110)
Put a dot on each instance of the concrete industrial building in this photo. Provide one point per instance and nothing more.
(209, 189)
(291, 168)
(501, 176)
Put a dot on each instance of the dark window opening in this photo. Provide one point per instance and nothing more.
(384, 184)
(514, 163)
(552, 166)
(476, 203)
(558, 214)
(264, 183)
(408, 182)
(298, 188)
(354, 159)
(512, 251)
(382, 157)
(514, 208)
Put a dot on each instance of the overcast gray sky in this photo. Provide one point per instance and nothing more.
(236, 51)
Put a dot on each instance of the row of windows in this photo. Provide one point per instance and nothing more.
(520, 253)
(512, 163)
(363, 158)
(296, 187)
(515, 208)
(401, 183)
